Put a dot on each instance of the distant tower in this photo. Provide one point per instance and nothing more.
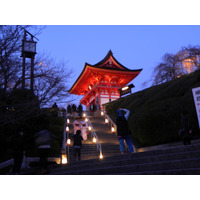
(28, 51)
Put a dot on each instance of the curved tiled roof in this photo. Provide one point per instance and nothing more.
(109, 65)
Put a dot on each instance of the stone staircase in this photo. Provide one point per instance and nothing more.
(166, 159)
(178, 160)
(109, 142)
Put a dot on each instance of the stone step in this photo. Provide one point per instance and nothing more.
(189, 171)
(134, 168)
(134, 164)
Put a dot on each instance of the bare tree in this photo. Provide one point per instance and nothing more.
(174, 66)
(50, 78)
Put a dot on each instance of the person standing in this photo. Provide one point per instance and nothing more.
(84, 128)
(123, 130)
(77, 145)
(185, 131)
(43, 141)
(77, 125)
(80, 110)
(74, 109)
(69, 110)
(18, 151)
(92, 108)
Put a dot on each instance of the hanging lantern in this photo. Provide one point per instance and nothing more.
(68, 121)
(89, 128)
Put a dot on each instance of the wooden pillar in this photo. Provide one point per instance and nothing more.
(23, 71)
(32, 73)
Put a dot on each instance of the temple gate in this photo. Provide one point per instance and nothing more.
(100, 83)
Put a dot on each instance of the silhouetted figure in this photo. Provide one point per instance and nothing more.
(18, 151)
(74, 110)
(80, 110)
(97, 110)
(77, 145)
(43, 140)
(55, 110)
(92, 108)
(123, 130)
(69, 109)
(185, 131)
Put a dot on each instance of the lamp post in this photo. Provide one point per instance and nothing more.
(68, 139)
(64, 157)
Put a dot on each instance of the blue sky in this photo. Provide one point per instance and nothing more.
(134, 46)
(84, 31)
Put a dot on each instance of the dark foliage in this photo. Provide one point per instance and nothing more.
(155, 112)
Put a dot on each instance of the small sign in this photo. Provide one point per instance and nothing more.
(125, 91)
(196, 96)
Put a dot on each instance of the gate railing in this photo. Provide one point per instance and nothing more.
(95, 137)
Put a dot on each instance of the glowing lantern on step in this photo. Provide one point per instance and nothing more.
(68, 121)
(94, 140)
(64, 158)
(84, 115)
(106, 121)
(102, 113)
(101, 155)
(113, 129)
(67, 128)
(86, 119)
(89, 128)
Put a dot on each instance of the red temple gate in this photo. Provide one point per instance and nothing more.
(99, 83)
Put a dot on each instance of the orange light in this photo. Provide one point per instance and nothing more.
(64, 158)
(101, 155)
(94, 140)
(89, 128)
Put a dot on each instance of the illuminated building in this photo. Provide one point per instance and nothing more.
(99, 83)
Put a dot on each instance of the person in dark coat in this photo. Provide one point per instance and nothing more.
(43, 141)
(74, 109)
(185, 131)
(69, 109)
(80, 110)
(18, 151)
(123, 132)
(77, 145)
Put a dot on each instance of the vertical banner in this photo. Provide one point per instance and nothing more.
(196, 95)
